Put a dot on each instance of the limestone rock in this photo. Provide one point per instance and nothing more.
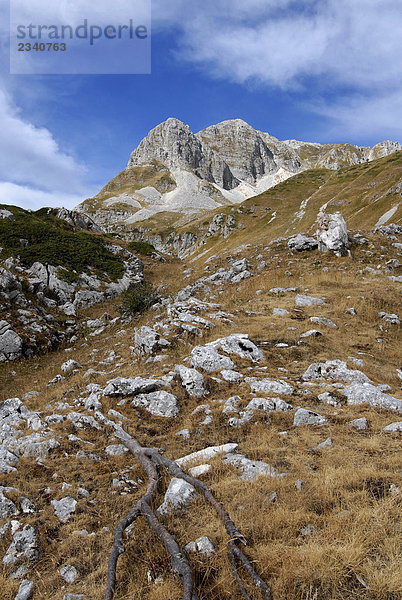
(361, 424)
(334, 370)
(64, 508)
(70, 365)
(69, 573)
(209, 359)
(25, 590)
(394, 427)
(131, 386)
(148, 340)
(10, 343)
(192, 381)
(250, 469)
(302, 300)
(178, 495)
(23, 546)
(240, 345)
(202, 545)
(308, 417)
(366, 393)
(302, 242)
(332, 233)
(160, 403)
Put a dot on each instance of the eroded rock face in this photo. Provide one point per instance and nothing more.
(332, 233)
(175, 146)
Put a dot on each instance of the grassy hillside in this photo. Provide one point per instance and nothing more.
(362, 193)
(41, 237)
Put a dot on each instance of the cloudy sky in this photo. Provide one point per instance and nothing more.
(317, 70)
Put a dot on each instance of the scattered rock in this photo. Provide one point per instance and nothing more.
(69, 573)
(178, 495)
(302, 242)
(192, 381)
(308, 417)
(70, 366)
(332, 233)
(202, 545)
(366, 393)
(64, 508)
(209, 359)
(361, 424)
(394, 427)
(302, 300)
(334, 370)
(25, 590)
(160, 403)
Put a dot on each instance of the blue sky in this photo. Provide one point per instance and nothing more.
(326, 71)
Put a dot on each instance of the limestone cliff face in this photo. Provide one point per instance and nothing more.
(174, 170)
(250, 154)
(174, 145)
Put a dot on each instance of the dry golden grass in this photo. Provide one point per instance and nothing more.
(354, 551)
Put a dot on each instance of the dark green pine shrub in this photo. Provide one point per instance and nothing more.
(139, 297)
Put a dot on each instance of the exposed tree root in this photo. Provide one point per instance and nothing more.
(150, 459)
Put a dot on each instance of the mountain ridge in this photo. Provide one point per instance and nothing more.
(223, 164)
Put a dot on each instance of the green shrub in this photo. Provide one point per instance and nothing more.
(68, 276)
(142, 248)
(56, 242)
(139, 297)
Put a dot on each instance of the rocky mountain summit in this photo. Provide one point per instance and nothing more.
(174, 170)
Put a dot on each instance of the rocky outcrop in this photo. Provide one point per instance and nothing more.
(75, 218)
(332, 233)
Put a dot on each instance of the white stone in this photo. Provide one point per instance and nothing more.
(206, 454)
(308, 417)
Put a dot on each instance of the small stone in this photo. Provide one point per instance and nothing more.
(202, 545)
(116, 450)
(361, 424)
(325, 444)
(299, 484)
(64, 508)
(70, 366)
(25, 590)
(69, 573)
(394, 427)
(308, 417)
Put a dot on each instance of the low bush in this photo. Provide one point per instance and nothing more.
(142, 248)
(139, 297)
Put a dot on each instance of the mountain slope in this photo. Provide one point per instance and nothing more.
(174, 170)
(367, 194)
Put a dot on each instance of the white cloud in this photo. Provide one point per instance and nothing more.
(344, 49)
(31, 198)
(350, 41)
(33, 168)
(352, 117)
(30, 154)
